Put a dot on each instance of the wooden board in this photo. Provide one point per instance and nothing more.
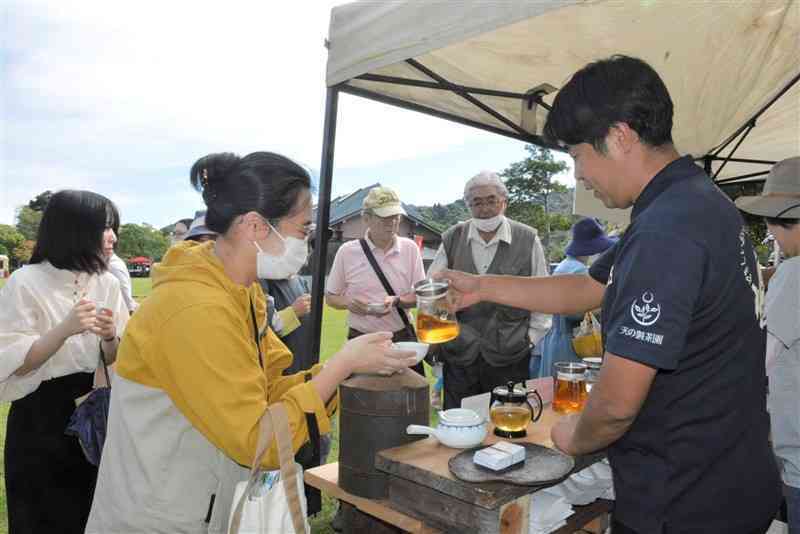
(542, 465)
(425, 462)
(326, 479)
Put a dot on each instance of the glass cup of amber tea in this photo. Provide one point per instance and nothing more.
(436, 323)
(570, 389)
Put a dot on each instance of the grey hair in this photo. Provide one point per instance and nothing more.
(485, 178)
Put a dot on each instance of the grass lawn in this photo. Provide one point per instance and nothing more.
(334, 333)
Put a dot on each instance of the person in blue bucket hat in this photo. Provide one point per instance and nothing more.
(588, 240)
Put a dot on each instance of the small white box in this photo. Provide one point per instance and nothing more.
(517, 452)
(499, 456)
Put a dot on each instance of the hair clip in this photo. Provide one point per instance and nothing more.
(208, 192)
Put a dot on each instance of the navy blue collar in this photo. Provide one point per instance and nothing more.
(676, 171)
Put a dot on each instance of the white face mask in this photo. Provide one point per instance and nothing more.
(295, 254)
(488, 225)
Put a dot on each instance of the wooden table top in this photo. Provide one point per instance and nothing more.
(425, 462)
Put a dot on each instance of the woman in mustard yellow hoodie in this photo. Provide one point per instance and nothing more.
(198, 366)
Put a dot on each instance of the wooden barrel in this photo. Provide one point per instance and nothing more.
(374, 412)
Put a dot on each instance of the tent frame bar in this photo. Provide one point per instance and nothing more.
(743, 177)
(758, 114)
(739, 136)
(466, 96)
(392, 101)
(745, 133)
(395, 80)
(743, 160)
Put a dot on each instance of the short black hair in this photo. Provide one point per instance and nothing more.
(606, 92)
(186, 222)
(264, 182)
(71, 232)
(783, 223)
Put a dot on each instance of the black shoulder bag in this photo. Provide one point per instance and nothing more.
(387, 286)
(89, 421)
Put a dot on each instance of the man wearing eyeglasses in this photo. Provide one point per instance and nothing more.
(495, 342)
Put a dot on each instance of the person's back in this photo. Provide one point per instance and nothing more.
(703, 429)
(286, 292)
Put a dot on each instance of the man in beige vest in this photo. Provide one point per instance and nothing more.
(495, 342)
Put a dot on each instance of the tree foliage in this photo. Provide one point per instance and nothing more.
(40, 202)
(141, 240)
(10, 239)
(531, 191)
(28, 221)
(24, 251)
(443, 216)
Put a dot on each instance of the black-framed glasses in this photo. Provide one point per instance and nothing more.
(489, 202)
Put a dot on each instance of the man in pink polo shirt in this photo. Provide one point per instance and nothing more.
(354, 285)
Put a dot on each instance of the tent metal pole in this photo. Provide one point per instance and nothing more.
(320, 256)
(755, 117)
(743, 177)
(743, 160)
(736, 147)
(707, 165)
(527, 138)
(395, 80)
(466, 96)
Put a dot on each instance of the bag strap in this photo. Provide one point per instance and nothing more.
(288, 466)
(386, 285)
(255, 333)
(275, 422)
(105, 366)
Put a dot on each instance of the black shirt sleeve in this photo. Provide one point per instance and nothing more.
(656, 283)
(601, 267)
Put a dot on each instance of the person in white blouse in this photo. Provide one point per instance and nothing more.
(56, 314)
(117, 267)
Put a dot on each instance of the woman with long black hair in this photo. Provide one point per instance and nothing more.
(56, 315)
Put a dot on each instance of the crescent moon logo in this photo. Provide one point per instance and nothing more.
(646, 314)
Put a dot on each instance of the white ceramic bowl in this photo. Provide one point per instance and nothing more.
(458, 428)
(420, 349)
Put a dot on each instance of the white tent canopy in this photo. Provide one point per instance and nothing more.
(731, 66)
(723, 63)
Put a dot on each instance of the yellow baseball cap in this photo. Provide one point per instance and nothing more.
(383, 202)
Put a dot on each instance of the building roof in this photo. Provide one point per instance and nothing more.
(347, 206)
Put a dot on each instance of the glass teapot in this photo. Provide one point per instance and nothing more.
(436, 322)
(511, 409)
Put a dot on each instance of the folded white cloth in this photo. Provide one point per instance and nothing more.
(548, 512)
(585, 486)
(551, 506)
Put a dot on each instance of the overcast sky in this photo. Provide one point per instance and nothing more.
(121, 98)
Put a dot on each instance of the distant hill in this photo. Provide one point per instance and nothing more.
(443, 216)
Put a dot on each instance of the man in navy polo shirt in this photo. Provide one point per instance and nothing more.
(680, 402)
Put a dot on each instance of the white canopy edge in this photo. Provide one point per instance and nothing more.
(722, 62)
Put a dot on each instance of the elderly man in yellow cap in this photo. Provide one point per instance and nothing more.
(373, 277)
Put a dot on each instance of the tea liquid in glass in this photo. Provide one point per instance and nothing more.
(510, 418)
(570, 395)
(431, 329)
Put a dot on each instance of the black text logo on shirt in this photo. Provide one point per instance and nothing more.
(647, 313)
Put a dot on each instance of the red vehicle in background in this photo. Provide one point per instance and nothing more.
(140, 266)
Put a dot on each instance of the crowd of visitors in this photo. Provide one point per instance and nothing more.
(697, 390)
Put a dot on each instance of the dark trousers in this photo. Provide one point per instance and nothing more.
(619, 528)
(400, 335)
(479, 377)
(49, 482)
